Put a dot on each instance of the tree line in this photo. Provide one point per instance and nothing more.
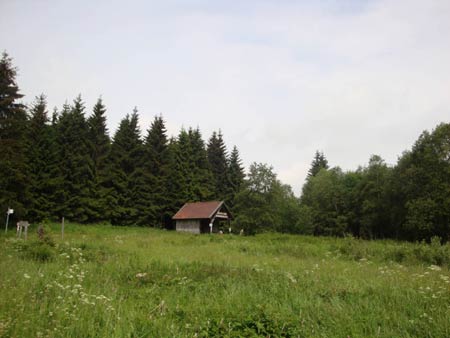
(407, 201)
(64, 163)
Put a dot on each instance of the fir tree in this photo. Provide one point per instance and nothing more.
(76, 163)
(190, 176)
(217, 156)
(13, 119)
(202, 183)
(43, 163)
(156, 173)
(319, 162)
(100, 147)
(177, 185)
(126, 174)
(235, 173)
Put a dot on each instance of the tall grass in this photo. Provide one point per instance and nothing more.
(104, 281)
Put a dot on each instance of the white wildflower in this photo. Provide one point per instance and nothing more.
(141, 275)
(291, 278)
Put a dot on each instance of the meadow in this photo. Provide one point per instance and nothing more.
(104, 281)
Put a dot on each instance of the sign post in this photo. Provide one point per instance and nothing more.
(9, 212)
(62, 228)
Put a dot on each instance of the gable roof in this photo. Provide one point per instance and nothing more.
(198, 210)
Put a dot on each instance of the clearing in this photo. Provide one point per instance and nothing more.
(104, 281)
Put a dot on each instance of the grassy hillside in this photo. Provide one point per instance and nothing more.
(104, 281)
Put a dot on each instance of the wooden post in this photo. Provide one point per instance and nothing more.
(20, 229)
(26, 230)
(7, 220)
(211, 224)
(62, 228)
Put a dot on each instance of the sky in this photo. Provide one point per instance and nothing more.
(280, 78)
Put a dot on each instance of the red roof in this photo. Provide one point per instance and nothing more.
(198, 210)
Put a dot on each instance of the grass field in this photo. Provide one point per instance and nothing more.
(104, 281)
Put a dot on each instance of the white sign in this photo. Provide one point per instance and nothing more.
(10, 211)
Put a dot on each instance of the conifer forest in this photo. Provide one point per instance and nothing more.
(64, 162)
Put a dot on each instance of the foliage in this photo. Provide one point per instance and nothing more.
(126, 173)
(43, 165)
(236, 175)
(75, 163)
(68, 167)
(264, 203)
(217, 158)
(100, 146)
(13, 165)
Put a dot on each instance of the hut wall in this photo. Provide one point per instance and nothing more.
(189, 225)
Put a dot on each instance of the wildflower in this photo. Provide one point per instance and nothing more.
(291, 278)
(27, 276)
(141, 275)
(434, 268)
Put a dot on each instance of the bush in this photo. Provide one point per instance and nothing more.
(44, 235)
(36, 250)
(41, 251)
(353, 248)
(253, 326)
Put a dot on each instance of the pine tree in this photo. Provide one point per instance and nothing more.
(236, 174)
(42, 162)
(100, 147)
(76, 164)
(13, 120)
(217, 156)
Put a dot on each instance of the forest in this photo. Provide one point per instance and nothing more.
(64, 163)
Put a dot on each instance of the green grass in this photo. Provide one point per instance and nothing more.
(104, 281)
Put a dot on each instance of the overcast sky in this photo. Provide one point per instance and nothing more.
(280, 78)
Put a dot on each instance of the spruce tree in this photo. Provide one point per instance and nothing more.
(177, 186)
(217, 156)
(202, 183)
(319, 162)
(100, 147)
(235, 173)
(156, 173)
(191, 179)
(76, 164)
(13, 120)
(125, 182)
(42, 162)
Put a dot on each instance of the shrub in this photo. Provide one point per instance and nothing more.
(353, 248)
(44, 235)
(258, 325)
(36, 250)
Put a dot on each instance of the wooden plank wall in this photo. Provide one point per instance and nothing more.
(188, 225)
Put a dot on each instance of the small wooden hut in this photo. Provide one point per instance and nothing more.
(202, 217)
